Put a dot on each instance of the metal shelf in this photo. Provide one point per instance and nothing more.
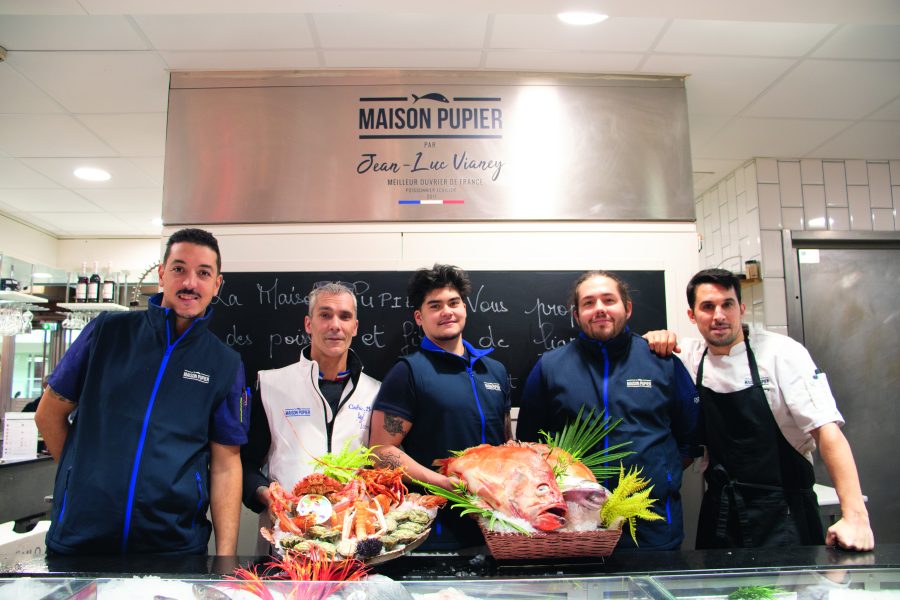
(92, 307)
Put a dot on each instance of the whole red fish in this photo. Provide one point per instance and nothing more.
(514, 479)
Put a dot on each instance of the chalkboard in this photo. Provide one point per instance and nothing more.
(520, 314)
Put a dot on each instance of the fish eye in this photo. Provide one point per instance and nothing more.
(543, 488)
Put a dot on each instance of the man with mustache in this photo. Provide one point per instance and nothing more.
(146, 413)
(312, 406)
(765, 407)
(609, 369)
(446, 396)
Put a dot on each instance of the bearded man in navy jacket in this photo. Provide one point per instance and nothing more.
(145, 414)
(610, 369)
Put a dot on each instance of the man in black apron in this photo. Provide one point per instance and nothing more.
(756, 416)
(759, 487)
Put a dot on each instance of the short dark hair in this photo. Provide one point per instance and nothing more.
(201, 237)
(624, 292)
(438, 277)
(723, 277)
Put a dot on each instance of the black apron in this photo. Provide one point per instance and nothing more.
(759, 488)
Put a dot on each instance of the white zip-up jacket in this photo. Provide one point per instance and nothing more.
(300, 418)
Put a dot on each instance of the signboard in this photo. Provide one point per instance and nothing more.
(424, 146)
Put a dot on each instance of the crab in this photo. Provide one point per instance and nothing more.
(317, 483)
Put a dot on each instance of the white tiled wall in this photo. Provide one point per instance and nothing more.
(742, 217)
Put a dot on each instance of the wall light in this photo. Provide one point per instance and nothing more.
(92, 174)
(581, 18)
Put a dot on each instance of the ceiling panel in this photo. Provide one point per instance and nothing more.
(143, 201)
(137, 134)
(47, 201)
(98, 82)
(22, 96)
(560, 61)
(549, 33)
(76, 32)
(400, 30)
(140, 223)
(720, 85)
(88, 79)
(226, 32)
(13, 174)
(124, 173)
(153, 167)
(769, 137)
(703, 128)
(71, 223)
(48, 135)
(890, 112)
(869, 139)
(831, 89)
(742, 38)
(401, 59)
(862, 41)
(249, 60)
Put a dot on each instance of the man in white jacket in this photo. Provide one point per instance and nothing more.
(312, 406)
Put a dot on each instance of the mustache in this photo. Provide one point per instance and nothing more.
(187, 291)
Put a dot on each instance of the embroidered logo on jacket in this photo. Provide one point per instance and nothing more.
(638, 383)
(196, 376)
(490, 385)
(297, 412)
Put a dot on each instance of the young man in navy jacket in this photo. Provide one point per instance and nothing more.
(145, 414)
(446, 396)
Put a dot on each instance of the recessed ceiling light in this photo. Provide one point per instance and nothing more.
(581, 18)
(157, 221)
(92, 174)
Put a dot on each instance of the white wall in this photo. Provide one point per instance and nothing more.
(27, 243)
(131, 255)
(742, 217)
(671, 247)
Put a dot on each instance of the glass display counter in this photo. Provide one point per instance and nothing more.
(799, 585)
(810, 573)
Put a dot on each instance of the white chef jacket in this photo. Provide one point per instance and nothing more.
(797, 392)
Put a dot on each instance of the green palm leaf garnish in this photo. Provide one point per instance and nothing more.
(581, 437)
(460, 498)
(343, 465)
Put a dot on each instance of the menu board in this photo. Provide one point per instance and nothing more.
(520, 314)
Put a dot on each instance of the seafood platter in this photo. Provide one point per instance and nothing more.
(543, 500)
(367, 514)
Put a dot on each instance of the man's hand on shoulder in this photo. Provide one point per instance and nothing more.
(662, 342)
(851, 534)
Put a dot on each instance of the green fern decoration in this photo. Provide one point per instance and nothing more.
(755, 592)
(628, 502)
(463, 500)
(343, 465)
(581, 437)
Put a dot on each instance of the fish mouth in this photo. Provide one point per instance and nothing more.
(552, 518)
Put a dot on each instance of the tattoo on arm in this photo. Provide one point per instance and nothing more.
(392, 460)
(393, 425)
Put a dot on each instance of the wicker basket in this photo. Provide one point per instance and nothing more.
(514, 546)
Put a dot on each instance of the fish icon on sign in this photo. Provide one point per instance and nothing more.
(432, 96)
